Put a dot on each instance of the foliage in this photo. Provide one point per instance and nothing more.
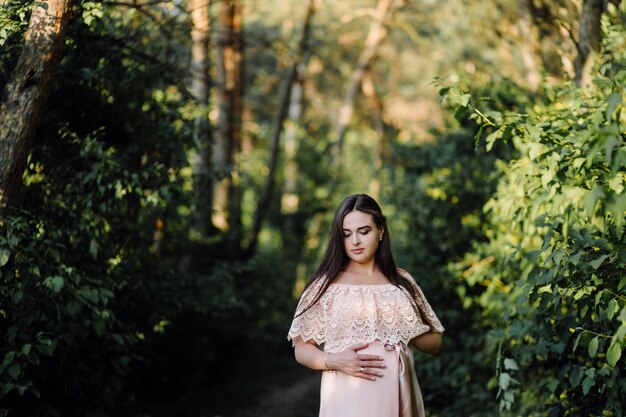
(439, 219)
(69, 266)
(13, 20)
(86, 265)
(511, 217)
(446, 184)
(555, 289)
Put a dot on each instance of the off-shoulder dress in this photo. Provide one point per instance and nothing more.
(382, 315)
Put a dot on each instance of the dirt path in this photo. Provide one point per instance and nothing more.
(298, 400)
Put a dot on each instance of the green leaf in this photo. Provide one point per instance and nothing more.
(54, 283)
(535, 150)
(4, 256)
(612, 100)
(593, 347)
(612, 308)
(551, 384)
(8, 359)
(44, 350)
(619, 160)
(622, 283)
(504, 381)
(99, 327)
(595, 264)
(616, 205)
(12, 333)
(90, 294)
(575, 376)
(463, 99)
(93, 248)
(591, 199)
(614, 353)
(509, 396)
(492, 137)
(576, 341)
(17, 295)
(510, 364)
(458, 99)
(6, 388)
(587, 384)
(14, 371)
(616, 183)
(609, 144)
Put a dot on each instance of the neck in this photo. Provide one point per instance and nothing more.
(368, 269)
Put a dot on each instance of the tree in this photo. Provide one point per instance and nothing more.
(284, 106)
(26, 93)
(588, 40)
(376, 35)
(226, 204)
(529, 55)
(201, 91)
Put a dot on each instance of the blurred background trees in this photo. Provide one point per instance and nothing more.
(180, 174)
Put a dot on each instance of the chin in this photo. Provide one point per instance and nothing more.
(362, 260)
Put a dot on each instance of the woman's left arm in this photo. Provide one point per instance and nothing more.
(428, 343)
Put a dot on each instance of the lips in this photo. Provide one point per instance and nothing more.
(357, 251)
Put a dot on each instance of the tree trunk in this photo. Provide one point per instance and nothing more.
(235, 192)
(289, 199)
(588, 40)
(228, 142)
(528, 44)
(266, 193)
(201, 91)
(26, 93)
(369, 90)
(376, 34)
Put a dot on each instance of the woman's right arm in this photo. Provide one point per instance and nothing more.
(309, 354)
(349, 361)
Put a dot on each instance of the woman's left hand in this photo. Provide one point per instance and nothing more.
(360, 365)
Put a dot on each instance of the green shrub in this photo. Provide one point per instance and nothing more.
(554, 288)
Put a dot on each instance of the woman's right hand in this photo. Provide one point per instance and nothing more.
(360, 365)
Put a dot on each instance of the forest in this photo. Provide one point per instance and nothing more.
(169, 170)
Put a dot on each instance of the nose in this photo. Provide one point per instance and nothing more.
(355, 240)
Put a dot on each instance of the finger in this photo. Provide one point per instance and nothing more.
(370, 371)
(372, 364)
(365, 357)
(359, 346)
(365, 374)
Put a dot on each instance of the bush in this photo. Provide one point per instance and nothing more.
(553, 291)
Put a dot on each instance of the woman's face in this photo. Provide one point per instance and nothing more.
(360, 236)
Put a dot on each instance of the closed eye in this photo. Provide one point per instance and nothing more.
(361, 230)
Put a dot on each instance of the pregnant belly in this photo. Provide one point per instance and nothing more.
(343, 395)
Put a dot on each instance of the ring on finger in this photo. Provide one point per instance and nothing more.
(362, 369)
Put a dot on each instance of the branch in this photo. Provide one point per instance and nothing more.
(136, 5)
(264, 199)
(376, 34)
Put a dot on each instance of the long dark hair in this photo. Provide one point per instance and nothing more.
(336, 259)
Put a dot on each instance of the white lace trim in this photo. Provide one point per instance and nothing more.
(349, 314)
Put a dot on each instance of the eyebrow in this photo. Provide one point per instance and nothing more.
(358, 228)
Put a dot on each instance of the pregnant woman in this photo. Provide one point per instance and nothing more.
(358, 318)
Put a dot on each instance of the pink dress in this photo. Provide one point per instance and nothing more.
(381, 315)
